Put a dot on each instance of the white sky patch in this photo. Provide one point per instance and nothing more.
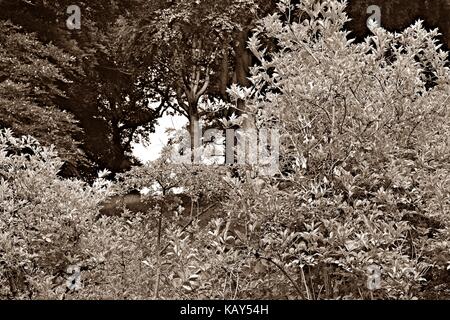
(159, 138)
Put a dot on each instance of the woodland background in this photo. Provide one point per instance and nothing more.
(358, 210)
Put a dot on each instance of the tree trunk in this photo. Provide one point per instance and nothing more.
(242, 59)
(224, 71)
(242, 66)
(195, 133)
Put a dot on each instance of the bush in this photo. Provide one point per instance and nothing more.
(44, 220)
(366, 127)
(361, 211)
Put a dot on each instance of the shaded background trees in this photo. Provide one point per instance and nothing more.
(104, 95)
(399, 14)
(31, 78)
(132, 60)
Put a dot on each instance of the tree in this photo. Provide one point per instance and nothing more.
(106, 94)
(31, 79)
(186, 46)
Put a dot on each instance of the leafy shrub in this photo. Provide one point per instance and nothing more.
(365, 136)
(366, 126)
(44, 219)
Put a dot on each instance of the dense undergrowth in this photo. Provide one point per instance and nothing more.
(363, 190)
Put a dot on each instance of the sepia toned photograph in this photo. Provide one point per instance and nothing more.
(224, 150)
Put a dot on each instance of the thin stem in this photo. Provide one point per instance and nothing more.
(297, 288)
